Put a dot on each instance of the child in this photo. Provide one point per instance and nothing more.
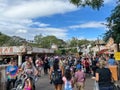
(28, 85)
(67, 79)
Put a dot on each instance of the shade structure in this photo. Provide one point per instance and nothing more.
(102, 51)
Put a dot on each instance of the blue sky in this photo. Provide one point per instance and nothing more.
(27, 18)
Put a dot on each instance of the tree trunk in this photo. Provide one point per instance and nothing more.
(118, 49)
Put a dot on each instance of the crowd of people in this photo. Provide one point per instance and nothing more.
(64, 71)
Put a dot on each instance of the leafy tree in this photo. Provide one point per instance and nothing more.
(4, 39)
(16, 41)
(73, 42)
(12, 42)
(60, 52)
(83, 42)
(114, 26)
(38, 39)
(95, 4)
(47, 41)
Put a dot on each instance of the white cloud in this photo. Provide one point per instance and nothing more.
(21, 31)
(16, 17)
(58, 32)
(108, 1)
(36, 8)
(41, 24)
(82, 37)
(92, 39)
(92, 24)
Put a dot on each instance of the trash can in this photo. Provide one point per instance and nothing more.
(3, 77)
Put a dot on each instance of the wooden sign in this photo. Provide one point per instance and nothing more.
(12, 50)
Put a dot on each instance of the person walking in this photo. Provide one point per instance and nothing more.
(94, 67)
(46, 65)
(68, 80)
(80, 78)
(55, 75)
(111, 61)
(104, 77)
(29, 62)
(39, 66)
(11, 73)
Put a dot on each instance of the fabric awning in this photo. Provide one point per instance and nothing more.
(102, 51)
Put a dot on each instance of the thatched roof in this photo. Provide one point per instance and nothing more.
(100, 42)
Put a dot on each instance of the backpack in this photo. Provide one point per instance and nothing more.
(57, 76)
(68, 86)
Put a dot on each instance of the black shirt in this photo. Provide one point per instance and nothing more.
(104, 77)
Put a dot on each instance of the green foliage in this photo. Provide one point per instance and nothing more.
(83, 42)
(74, 42)
(60, 52)
(73, 50)
(63, 51)
(12, 42)
(114, 26)
(94, 4)
(9, 41)
(47, 41)
(3, 39)
(34, 45)
(107, 35)
(57, 52)
(38, 39)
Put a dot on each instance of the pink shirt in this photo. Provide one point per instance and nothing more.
(27, 88)
(80, 76)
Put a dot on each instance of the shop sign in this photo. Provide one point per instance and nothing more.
(117, 56)
(12, 50)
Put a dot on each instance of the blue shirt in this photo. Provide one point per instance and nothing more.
(68, 86)
(12, 70)
(111, 62)
(78, 66)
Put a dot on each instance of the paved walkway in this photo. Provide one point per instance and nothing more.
(43, 84)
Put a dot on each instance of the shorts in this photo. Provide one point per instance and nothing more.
(58, 82)
(39, 68)
(80, 85)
